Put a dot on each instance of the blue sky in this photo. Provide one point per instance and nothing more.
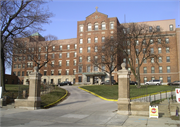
(68, 12)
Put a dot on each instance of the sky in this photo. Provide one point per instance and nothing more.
(67, 12)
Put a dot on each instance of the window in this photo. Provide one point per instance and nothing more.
(88, 68)
(152, 50)
(144, 50)
(150, 28)
(161, 79)
(151, 41)
(23, 65)
(22, 73)
(53, 48)
(51, 81)
(89, 27)
(88, 59)
(52, 64)
(144, 42)
(80, 59)
(152, 60)
(95, 58)
(79, 79)
(103, 26)
(39, 49)
(80, 69)
(124, 60)
(45, 72)
(95, 68)
(157, 28)
(52, 72)
(81, 28)
(32, 49)
(167, 40)
(46, 48)
(128, 51)
(95, 49)
(15, 66)
(89, 49)
(74, 63)
(168, 69)
(74, 72)
(45, 65)
(159, 50)
(80, 50)
(14, 73)
(19, 65)
(167, 50)
(44, 80)
(59, 72)
(60, 47)
(160, 59)
(67, 55)
(136, 60)
(137, 51)
(39, 56)
(80, 41)
(103, 68)
(168, 79)
(137, 42)
(45, 56)
(145, 61)
(171, 27)
(168, 59)
(60, 55)
(152, 78)
(75, 54)
(152, 69)
(103, 39)
(145, 69)
(160, 69)
(59, 80)
(67, 72)
(75, 46)
(18, 73)
(89, 40)
(145, 79)
(67, 63)
(95, 39)
(111, 25)
(53, 56)
(88, 78)
(60, 63)
(68, 46)
(159, 41)
(96, 26)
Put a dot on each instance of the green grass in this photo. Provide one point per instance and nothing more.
(111, 91)
(53, 96)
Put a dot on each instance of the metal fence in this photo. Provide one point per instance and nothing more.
(143, 95)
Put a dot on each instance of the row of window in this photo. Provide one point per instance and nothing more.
(95, 40)
(168, 69)
(52, 80)
(96, 26)
(160, 78)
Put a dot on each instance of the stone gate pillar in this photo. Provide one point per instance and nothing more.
(123, 91)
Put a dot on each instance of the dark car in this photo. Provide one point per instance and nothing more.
(64, 83)
(133, 83)
(107, 82)
(174, 83)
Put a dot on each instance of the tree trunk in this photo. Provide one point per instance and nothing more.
(138, 78)
(2, 71)
(110, 74)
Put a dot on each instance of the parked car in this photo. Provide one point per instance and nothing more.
(133, 83)
(153, 82)
(64, 83)
(174, 83)
(107, 82)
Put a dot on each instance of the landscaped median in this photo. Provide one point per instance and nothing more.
(110, 92)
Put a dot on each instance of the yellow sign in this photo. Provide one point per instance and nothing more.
(153, 112)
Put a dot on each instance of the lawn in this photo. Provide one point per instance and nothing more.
(111, 91)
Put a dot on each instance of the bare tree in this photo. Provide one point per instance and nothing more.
(19, 18)
(106, 56)
(139, 43)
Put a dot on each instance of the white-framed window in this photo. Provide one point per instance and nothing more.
(152, 60)
(74, 63)
(103, 26)
(159, 40)
(74, 71)
(137, 51)
(124, 60)
(53, 48)
(145, 79)
(167, 58)
(75, 46)
(59, 72)
(80, 59)
(103, 68)
(96, 26)
(88, 68)
(52, 64)
(80, 28)
(152, 78)
(168, 79)
(45, 65)
(23, 65)
(128, 51)
(103, 39)
(67, 63)
(161, 79)
(45, 72)
(59, 80)
(60, 47)
(157, 28)
(95, 39)
(111, 25)
(88, 59)
(95, 58)
(102, 58)
(67, 55)
(68, 47)
(46, 48)
(89, 27)
(160, 59)
(167, 50)
(167, 40)
(67, 72)
(150, 28)
(80, 41)
(53, 56)
(145, 61)
(88, 49)
(95, 49)
(75, 54)
(60, 63)
(89, 40)
(168, 69)
(60, 55)
(145, 69)
(80, 68)
(80, 50)
(151, 41)
(39, 49)
(160, 69)
(171, 27)
(159, 50)
(95, 68)
(137, 42)
(52, 72)
(19, 65)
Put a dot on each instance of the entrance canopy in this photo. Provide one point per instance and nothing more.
(95, 74)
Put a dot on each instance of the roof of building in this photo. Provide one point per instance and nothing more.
(36, 34)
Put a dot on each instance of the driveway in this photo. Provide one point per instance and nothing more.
(78, 110)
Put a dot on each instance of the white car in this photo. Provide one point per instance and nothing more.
(153, 82)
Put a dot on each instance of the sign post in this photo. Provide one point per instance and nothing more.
(177, 91)
(153, 112)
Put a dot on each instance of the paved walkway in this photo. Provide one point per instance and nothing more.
(80, 109)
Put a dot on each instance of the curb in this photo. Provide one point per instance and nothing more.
(49, 105)
(116, 99)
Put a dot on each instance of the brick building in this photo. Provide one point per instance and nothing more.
(69, 55)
